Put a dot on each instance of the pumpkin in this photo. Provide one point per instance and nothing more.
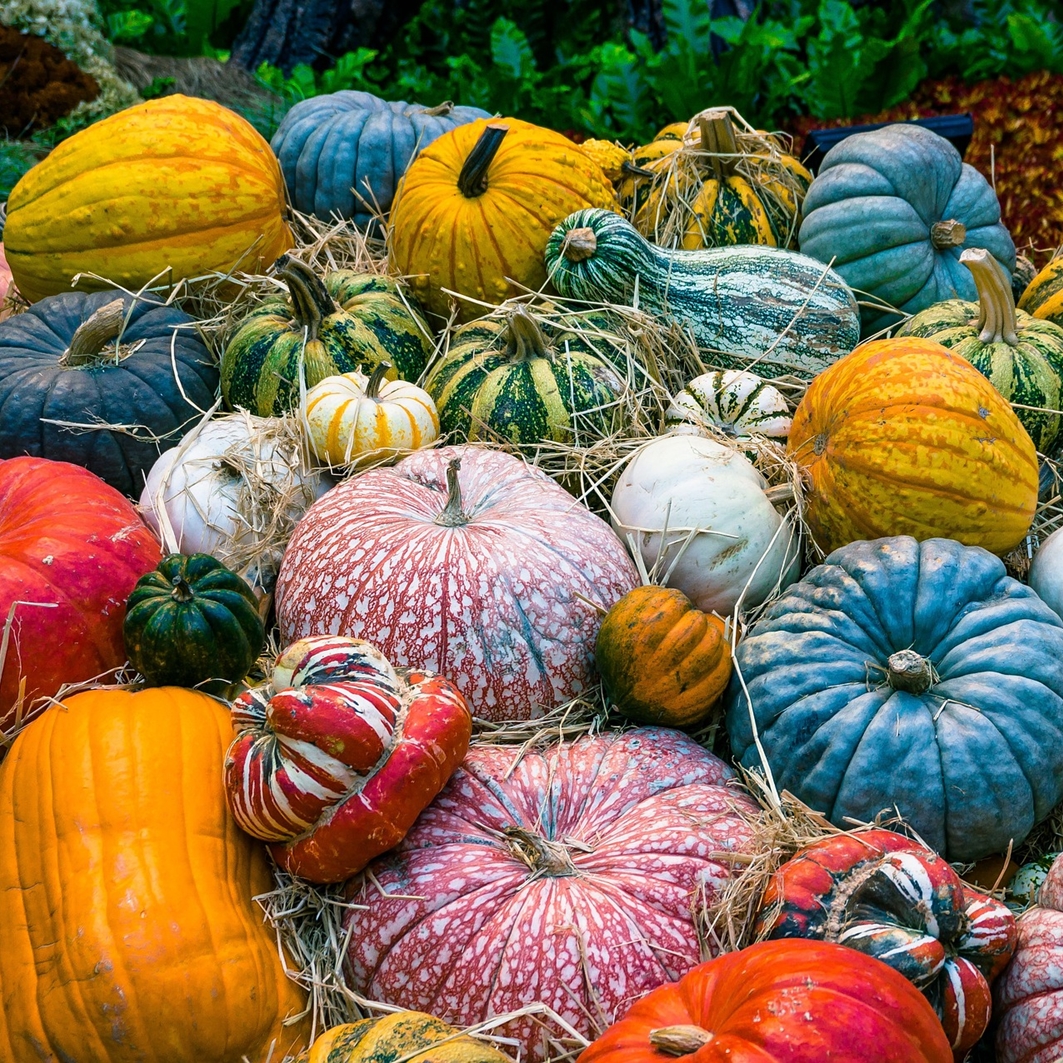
(102, 359)
(1024, 888)
(892, 209)
(912, 677)
(127, 894)
(336, 757)
(233, 488)
(732, 401)
(307, 336)
(356, 420)
(1021, 356)
(698, 512)
(904, 437)
(1046, 571)
(7, 287)
(173, 188)
(526, 378)
(190, 621)
(614, 160)
(71, 550)
(343, 153)
(474, 211)
(1043, 296)
(898, 901)
(568, 875)
(408, 1035)
(662, 661)
(780, 1002)
(1029, 995)
(465, 561)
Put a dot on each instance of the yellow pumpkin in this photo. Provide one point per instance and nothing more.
(475, 210)
(905, 437)
(177, 187)
(129, 929)
(1043, 296)
(354, 420)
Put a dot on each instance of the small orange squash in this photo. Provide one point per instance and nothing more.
(662, 660)
(904, 437)
(129, 929)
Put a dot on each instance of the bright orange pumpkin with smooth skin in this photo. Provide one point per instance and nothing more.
(905, 437)
(662, 660)
(126, 914)
(792, 1001)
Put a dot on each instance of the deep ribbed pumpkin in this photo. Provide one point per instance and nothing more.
(127, 912)
(475, 209)
(175, 187)
(904, 437)
(1043, 297)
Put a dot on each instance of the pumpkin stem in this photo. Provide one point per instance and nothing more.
(543, 857)
(781, 493)
(579, 244)
(453, 516)
(376, 378)
(181, 592)
(102, 326)
(526, 339)
(908, 671)
(472, 181)
(440, 109)
(311, 302)
(996, 301)
(946, 234)
(680, 1040)
(718, 139)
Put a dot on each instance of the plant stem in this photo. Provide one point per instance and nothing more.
(100, 328)
(996, 301)
(453, 516)
(526, 339)
(376, 378)
(311, 302)
(472, 181)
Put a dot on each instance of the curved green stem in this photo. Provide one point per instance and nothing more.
(453, 515)
(311, 302)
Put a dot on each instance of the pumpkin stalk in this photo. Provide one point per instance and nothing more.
(90, 337)
(472, 181)
(579, 245)
(311, 302)
(718, 140)
(376, 378)
(440, 109)
(946, 234)
(910, 672)
(680, 1040)
(543, 857)
(996, 301)
(181, 592)
(526, 339)
(453, 516)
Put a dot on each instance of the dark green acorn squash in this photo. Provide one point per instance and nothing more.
(191, 622)
(95, 360)
(909, 676)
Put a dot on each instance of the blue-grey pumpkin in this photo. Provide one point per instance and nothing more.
(914, 676)
(345, 152)
(894, 208)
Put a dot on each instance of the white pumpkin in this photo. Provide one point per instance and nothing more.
(1046, 571)
(698, 511)
(733, 401)
(234, 488)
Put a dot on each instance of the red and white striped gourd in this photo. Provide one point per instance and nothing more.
(338, 755)
(464, 560)
(732, 401)
(568, 876)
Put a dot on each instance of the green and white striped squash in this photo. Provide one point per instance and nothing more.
(308, 333)
(1020, 355)
(732, 401)
(747, 306)
(525, 380)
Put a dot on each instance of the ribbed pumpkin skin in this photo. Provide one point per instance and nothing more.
(130, 934)
(732, 401)
(441, 239)
(904, 437)
(175, 183)
(1043, 297)
(784, 1002)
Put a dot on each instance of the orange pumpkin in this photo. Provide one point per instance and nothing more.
(904, 437)
(129, 929)
(662, 660)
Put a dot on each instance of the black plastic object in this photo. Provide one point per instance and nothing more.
(956, 128)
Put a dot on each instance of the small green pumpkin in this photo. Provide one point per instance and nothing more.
(322, 328)
(1020, 355)
(191, 622)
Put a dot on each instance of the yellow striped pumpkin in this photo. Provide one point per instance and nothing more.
(905, 437)
(177, 186)
(1043, 297)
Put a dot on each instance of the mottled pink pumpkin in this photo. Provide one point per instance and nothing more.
(1029, 994)
(567, 876)
(488, 573)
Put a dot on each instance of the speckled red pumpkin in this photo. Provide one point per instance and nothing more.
(566, 876)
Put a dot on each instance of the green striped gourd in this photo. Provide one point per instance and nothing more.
(321, 328)
(777, 311)
(525, 380)
(732, 401)
(1021, 356)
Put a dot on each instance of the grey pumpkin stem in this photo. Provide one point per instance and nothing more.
(182, 591)
(525, 338)
(718, 139)
(440, 110)
(311, 302)
(453, 516)
(909, 671)
(680, 1040)
(946, 234)
(996, 318)
(101, 327)
(579, 244)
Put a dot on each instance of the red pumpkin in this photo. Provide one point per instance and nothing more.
(71, 551)
(780, 1002)
(566, 876)
(337, 757)
(1029, 994)
(900, 902)
(466, 561)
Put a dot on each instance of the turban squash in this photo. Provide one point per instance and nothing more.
(1043, 296)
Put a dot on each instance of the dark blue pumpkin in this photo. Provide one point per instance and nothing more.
(909, 676)
(343, 152)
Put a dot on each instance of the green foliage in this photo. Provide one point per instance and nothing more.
(16, 157)
(166, 27)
